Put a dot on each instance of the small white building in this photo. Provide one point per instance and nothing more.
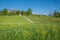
(19, 14)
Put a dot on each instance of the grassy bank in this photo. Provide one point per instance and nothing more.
(43, 28)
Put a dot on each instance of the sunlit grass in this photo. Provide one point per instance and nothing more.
(43, 28)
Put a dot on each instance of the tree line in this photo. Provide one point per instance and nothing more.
(28, 12)
(15, 12)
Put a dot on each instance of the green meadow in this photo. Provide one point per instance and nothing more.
(18, 28)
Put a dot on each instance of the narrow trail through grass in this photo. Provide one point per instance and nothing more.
(28, 19)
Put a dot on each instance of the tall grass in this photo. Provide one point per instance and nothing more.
(31, 31)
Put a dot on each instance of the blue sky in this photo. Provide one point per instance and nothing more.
(37, 6)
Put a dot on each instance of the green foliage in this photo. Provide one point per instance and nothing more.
(4, 12)
(14, 13)
(23, 13)
(17, 12)
(29, 11)
(0, 11)
(56, 14)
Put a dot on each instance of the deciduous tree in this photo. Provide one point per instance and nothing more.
(4, 12)
(29, 11)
